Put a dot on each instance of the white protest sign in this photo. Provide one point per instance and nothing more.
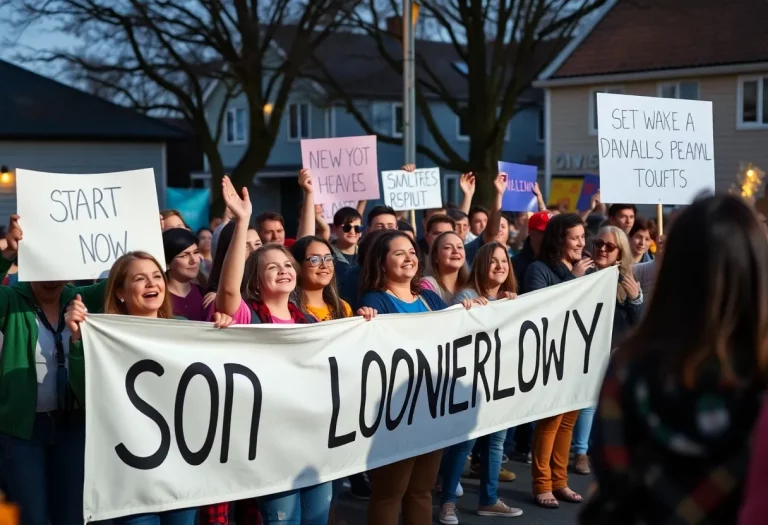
(418, 190)
(654, 150)
(179, 414)
(76, 226)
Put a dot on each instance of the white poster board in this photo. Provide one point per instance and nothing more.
(417, 190)
(654, 150)
(76, 226)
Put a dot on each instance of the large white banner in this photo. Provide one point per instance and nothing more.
(654, 150)
(180, 414)
(76, 226)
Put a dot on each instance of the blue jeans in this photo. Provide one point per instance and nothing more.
(582, 430)
(307, 506)
(171, 517)
(44, 475)
(454, 458)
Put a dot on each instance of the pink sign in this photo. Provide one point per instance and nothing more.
(343, 169)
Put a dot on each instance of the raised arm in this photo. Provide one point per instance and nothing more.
(321, 225)
(467, 184)
(494, 221)
(539, 197)
(228, 295)
(593, 203)
(307, 223)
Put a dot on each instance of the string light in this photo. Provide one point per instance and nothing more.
(750, 182)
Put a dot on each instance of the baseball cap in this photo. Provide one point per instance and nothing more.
(539, 220)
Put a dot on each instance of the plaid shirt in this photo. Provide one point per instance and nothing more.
(664, 455)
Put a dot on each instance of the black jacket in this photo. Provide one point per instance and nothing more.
(521, 262)
(540, 275)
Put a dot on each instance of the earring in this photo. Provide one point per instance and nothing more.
(122, 300)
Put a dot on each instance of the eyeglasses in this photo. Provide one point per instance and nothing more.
(609, 246)
(317, 260)
(348, 228)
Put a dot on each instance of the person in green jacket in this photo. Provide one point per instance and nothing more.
(42, 420)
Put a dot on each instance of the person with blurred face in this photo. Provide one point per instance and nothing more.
(640, 241)
(172, 219)
(252, 241)
(537, 223)
(478, 220)
(382, 218)
(622, 216)
(462, 224)
(182, 259)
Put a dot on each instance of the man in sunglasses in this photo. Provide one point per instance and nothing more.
(348, 227)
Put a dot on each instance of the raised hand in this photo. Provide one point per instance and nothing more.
(500, 182)
(536, 190)
(241, 208)
(305, 180)
(76, 313)
(594, 200)
(409, 167)
(467, 183)
(13, 237)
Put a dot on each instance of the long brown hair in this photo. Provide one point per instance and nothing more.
(373, 275)
(116, 281)
(330, 292)
(249, 289)
(479, 280)
(434, 267)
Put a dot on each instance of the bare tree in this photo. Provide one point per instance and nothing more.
(498, 47)
(160, 56)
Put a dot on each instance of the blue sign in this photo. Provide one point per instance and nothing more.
(589, 187)
(192, 203)
(521, 179)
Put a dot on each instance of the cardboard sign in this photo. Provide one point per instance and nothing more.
(521, 179)
(654, 150)
(76, 226)
(589, 187)
(343, 169)
(417, 190)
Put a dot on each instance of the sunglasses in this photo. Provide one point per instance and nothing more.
(348, 228)
(609, 246)
(317, 260)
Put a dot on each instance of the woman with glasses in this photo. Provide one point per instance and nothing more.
(611, 248)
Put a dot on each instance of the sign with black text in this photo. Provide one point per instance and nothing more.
(654, 150)
(179, 414)
(416, 190)
(76, 226)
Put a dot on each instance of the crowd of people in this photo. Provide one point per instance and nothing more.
(670, 440)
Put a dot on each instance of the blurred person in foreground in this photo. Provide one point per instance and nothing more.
(680, 398)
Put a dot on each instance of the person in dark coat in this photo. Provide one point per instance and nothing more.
(537, 223)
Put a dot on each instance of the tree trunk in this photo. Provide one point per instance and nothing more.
(485, 161)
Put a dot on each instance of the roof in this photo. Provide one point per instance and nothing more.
(655, 35)
(38, 108)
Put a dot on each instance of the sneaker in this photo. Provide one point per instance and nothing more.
(448, 514)
(499, 509)
(504, 459)
(581, 464)
(459, 490)
(506, 475)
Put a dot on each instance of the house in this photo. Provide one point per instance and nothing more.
(688, 49)
(48, 126)
(315, 110)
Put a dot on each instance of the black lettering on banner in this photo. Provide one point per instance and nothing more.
(195, 369)
(433, 387)
(447, 377)
(334, 440)
(372, 357)
(399, 355)
(458, 371)
(527, 386)
(230, 369)
(548, 357)
(156, 459)
(504, 392)
(588, 336)
(481, 337)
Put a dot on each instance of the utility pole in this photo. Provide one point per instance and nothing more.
(409, 90)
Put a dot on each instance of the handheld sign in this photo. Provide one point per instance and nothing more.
(417, 190)
(76, 226)
(343, 169)
(654, 150)
(329, 210)
(589, 187)
(521, 179)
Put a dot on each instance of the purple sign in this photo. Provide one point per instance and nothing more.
(520, 181)
(589, 187)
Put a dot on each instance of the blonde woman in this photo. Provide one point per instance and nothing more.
(447, 266)
(611, 248)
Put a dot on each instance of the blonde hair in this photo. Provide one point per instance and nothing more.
(625, 258)
(434, 267)
(116, 282)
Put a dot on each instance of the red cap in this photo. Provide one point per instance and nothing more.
(539, 220)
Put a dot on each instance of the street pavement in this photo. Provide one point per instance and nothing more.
(515, 494)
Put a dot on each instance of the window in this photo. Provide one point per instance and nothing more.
(752, 108)
(451, 188)
(462, 126)
(330, 121)
(236, 129)
(540, 129)
(682, 90)
(397, 119)
(298, 121)
(593, 105)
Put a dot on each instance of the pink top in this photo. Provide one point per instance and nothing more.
(243, 315)
(755, 507)
(277, 320)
